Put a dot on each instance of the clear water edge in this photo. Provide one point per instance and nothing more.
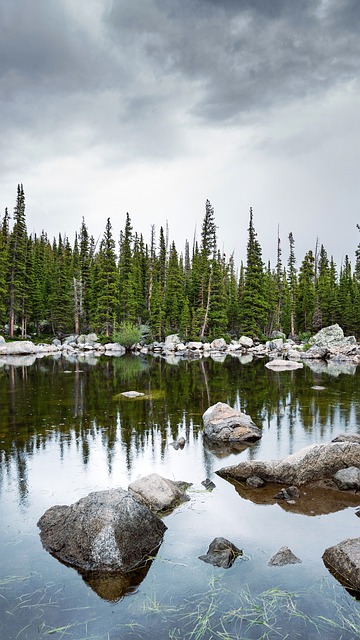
(65, 432)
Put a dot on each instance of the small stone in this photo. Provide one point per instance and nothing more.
(132, 394)
(255, 482)
(282, 557)
(208, 484)
(221, 553)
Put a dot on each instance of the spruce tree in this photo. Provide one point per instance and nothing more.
(173, 292)
(17, 263)
(293, 285)
(4, 266)
(61, 299)
(105, 286)
(254, 306)
(218, 319)
(126, 293)
(306, 293)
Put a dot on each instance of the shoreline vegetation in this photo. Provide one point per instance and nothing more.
(148, 290)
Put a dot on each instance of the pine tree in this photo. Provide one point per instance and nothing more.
(218, 319)
(17, 263)
(61, 299)
(306, 293)
(279, 288)
(207, 253)
(105, 287)
(41, 285)
(174, 292)
(4, 266)
(126, 292)
(293, 285)
(84, 276)
(232, 298)
(254, 306)
(346, 297)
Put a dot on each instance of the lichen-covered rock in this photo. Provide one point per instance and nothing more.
(104, 531)
(343, 560)
(222, 423)
(158, 493)
(309, 465)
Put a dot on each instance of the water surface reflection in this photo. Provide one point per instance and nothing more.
(66, 431)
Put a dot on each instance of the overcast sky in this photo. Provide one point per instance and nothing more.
(153, 106)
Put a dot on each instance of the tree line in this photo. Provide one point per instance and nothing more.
(58, 288)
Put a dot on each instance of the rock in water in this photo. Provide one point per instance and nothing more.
(221, 553)
(105, 531)
(222, 423)
(343, 560)
(282, 557)
(158, 493)
(309, 465)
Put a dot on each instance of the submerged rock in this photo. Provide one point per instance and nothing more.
(343, 560)
(222, 423)
(291, 493)
(105, 531)
(282, 557)
(309, 465)
(208, 484)
(179, 443)
(254, 482)
(221, 553)
(283, 365)
(158, 493)
(132, 394)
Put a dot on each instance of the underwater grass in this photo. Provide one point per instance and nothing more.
(270, 615)
(214, 613)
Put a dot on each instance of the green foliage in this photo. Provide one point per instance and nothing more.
(64, 288)
(127, 334)
(254, 304)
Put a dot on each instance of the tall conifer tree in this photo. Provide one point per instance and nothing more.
(254, 305)
(17, 262)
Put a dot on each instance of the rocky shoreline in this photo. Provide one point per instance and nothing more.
(328, 345)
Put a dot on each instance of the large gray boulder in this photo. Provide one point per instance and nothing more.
(222, 423)
(330, 342)
(328, 336)
(309, 465)
(17, 348)
(158, 493)
(105, 531)
(343, 560)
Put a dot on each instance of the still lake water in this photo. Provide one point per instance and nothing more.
(65, 431)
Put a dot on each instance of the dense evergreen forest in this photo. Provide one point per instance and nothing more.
(55, 288)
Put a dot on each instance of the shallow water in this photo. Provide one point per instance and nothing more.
(66, 431)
